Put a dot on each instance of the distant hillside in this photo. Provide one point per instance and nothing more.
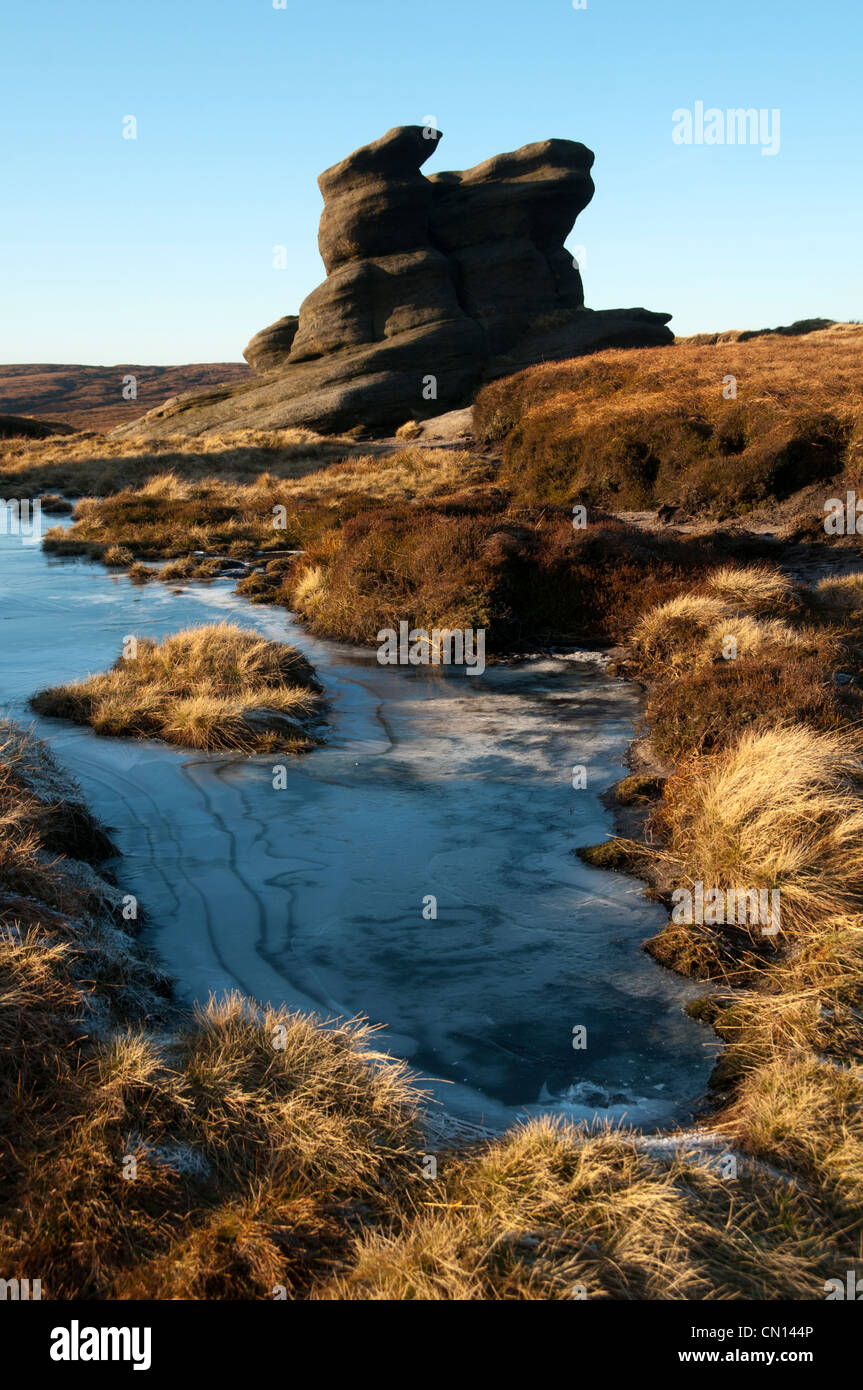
(91, 398)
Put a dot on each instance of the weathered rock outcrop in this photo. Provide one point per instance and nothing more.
(434, 285)
(272, 345)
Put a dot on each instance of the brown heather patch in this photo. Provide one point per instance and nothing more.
(636, 429)
(524, 576)
(170, 514)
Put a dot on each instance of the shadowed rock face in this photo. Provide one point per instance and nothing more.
(434, 285)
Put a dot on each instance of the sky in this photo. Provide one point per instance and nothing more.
(160, 249)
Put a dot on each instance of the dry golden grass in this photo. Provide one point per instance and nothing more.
(781, 809)
(747, 636)
(171, 515)
(840, 595)
(101, 465)
(694, 629)
(752, 588)
(550, 1213)
(769, 803)
(212, 687)
(664, 636)
(736, 653)
(806, 1113)
(411, 429)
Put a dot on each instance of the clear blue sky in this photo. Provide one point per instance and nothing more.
(159, 250)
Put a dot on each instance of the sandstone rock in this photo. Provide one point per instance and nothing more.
(434, 286)
(272, 345)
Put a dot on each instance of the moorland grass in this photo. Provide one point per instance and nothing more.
(766, 792)
(714, 430)
(96, 465)
(210, 687)
(745, 649)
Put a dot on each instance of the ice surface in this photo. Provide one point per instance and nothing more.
(312, 896)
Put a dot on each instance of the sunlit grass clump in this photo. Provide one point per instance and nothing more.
(213, 687)
(781, 809)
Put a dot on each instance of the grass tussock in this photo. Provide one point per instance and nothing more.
(744, 649)
(840, 595)
(212, 687)
(781, 809)
(752, 589)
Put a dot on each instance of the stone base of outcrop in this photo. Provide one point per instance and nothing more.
(347, 392)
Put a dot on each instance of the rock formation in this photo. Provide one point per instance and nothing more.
(434, 286)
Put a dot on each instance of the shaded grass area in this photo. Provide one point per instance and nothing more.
(526, 577)
(212, 687)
